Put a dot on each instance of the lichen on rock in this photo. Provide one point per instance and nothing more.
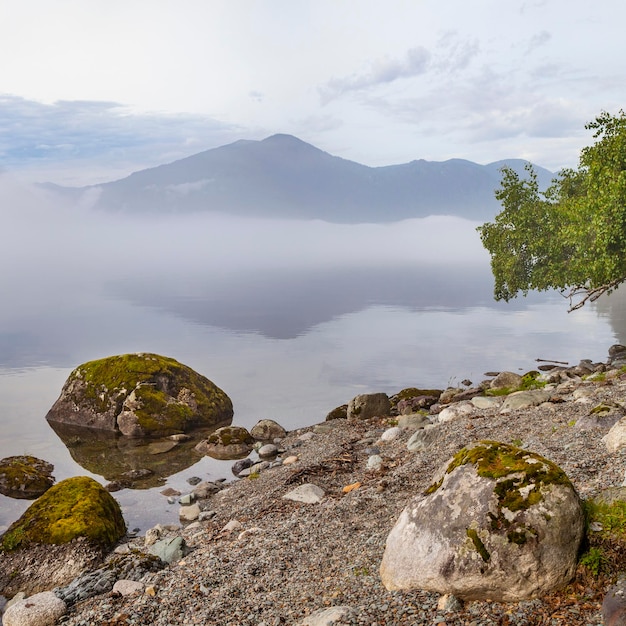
(140, 395)
(498, 523)
(25, 477)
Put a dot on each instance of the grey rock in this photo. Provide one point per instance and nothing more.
(329, 617)
(88, 585)
(422, 439)
(169, 550)
(366, 406)
(157, 381)
(189, 513)
(524, 399)
(413, 421)
(506, 380)
(614, 605)
(268, 430)
(391, 433)
(485, 402)
(374, 463)
(25, 477)
(186, 499)
(307, 493)
(268, 450)
(240, 465)
(41, 609)
(461, 537)
(128, 587)
(205, 490)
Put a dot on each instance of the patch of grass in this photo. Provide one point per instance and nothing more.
(604, 556)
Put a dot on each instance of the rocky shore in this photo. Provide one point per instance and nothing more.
(256, 557)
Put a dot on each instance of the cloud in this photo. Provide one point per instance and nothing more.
(538, 40)
(382, 71)
(36, 135)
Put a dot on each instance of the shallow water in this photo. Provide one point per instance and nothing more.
(286, 340)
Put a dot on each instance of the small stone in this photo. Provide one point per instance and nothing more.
(189, 513)
(374, 463)
(307, 493)
(186, 500)
(128, 587)
(268, 450)
(449, 604)
(240, 465)
(232, 525)
(290, 460)
(391, 433)
(194, 480)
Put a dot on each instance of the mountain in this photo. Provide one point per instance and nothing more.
(284, 177)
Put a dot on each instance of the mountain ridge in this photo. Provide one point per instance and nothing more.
(282, 176)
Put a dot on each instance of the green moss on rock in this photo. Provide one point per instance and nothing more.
(25, 477)
(519, 477)
(75, 507)
(162, 395)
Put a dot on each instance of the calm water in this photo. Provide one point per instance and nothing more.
(289, 319)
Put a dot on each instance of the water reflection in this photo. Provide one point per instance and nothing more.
(141, 464)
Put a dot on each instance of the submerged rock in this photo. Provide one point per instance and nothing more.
(140, 395)
(25, 477)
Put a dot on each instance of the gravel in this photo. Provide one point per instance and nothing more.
(287, 560)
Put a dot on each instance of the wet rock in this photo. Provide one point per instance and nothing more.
(140, 395)
(240, 465)
(228, 442)
(25, 477)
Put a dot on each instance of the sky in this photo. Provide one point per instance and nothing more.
(92, 90)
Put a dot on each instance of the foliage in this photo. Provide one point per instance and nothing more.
(572, 237)
(605, 554)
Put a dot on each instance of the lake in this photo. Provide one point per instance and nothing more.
(289, 319)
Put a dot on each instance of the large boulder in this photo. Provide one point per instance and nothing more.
(25, 477)
(68, 529)
(498, 523)
(140, 395)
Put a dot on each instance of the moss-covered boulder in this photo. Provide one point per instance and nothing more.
(228, 442)
(75, 507)
(140, 395)
(497, 523)
(64, 533)
(25, 477)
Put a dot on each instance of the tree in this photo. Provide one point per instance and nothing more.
(572, 237)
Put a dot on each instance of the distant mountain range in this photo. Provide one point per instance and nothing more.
(284, 177)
